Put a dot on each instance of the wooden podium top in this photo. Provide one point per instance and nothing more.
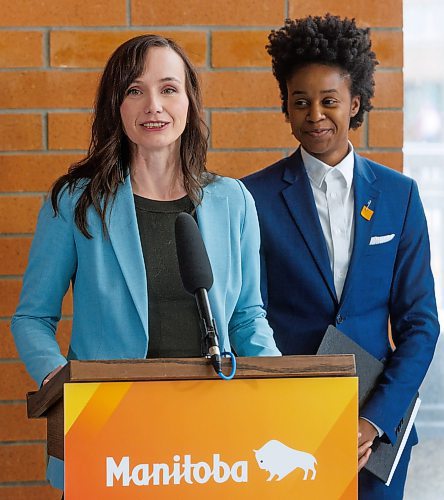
(48, 401)
(132, 370)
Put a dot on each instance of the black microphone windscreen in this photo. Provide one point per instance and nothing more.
(194, 264)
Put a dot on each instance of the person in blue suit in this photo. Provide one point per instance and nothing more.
(108, 230)
(343, 239)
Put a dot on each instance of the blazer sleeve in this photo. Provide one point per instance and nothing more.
(248, 328)
(51, 266)
(263, 266)
(414, 323)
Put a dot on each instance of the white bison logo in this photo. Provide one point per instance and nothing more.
(279, 460)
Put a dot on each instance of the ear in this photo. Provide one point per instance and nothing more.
(355, 105)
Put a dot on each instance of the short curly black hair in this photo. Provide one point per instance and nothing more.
(327, 40)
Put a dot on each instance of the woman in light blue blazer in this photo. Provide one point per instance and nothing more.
(108, 229)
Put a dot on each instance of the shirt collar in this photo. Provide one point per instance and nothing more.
(317, 169)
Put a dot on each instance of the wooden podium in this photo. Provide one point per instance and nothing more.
(252, 374)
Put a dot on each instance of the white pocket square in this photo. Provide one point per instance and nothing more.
(377, 240)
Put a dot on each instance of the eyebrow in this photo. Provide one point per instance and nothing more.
(328, 91)
(166, 79)
(171, 78)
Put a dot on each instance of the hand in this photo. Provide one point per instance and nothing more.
(364, 452)
(51, 375)
(366, 436)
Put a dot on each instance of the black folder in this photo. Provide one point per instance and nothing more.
(385, 456)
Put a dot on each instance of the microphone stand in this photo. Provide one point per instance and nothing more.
(210, 337)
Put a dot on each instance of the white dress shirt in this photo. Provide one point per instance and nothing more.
(333, 194)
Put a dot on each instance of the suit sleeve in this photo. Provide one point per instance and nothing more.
(51, 266)
(249, 331)
(414, 323)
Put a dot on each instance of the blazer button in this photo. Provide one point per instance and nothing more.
(339, 319)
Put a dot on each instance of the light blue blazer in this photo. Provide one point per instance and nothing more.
(108, 275)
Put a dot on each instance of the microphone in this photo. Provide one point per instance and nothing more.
(197, 278)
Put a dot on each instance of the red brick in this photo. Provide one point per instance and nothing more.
(257, 89)
(47, 89)
(24, 462)
(20, 49)
(16, 426)
(7, 345)
(20, 132)
(389, 89)
(91, 49)
(18, 214)
(255, 129)
(239, 48)
(9, 295)
(29, 493)
(69, 130)
(388, 46)
(36, 172)
(384, 14)
(240, 163)
(386, 129)
(357, 137)
(62, 13)
(15, 382)
(202, 12)
(392, 159)
(14, 255)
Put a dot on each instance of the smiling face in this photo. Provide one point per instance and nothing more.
(320, 106)
(155, 108)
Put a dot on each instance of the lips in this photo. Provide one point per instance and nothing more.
(154, 125)
(318, 132)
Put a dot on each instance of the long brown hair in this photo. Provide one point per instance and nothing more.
(108, 159)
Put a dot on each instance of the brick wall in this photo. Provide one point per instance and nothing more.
(51, 54)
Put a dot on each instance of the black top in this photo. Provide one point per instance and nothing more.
(173, 318)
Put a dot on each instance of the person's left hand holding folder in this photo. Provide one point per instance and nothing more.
(366, 435)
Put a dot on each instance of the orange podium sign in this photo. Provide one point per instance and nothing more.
(246, 438)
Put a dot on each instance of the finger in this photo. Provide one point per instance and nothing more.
(363, 438)
(364, 448)
(52, 374)
(364, 459)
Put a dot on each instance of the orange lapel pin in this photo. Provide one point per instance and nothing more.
(367, 212)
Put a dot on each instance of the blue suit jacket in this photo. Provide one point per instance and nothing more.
(109, 283)
(390, 280)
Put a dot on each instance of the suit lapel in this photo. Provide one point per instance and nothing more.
(300, 202)
(364, 192)
(125, 239)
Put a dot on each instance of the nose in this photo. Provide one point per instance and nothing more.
(153, 104)
(315, 113)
